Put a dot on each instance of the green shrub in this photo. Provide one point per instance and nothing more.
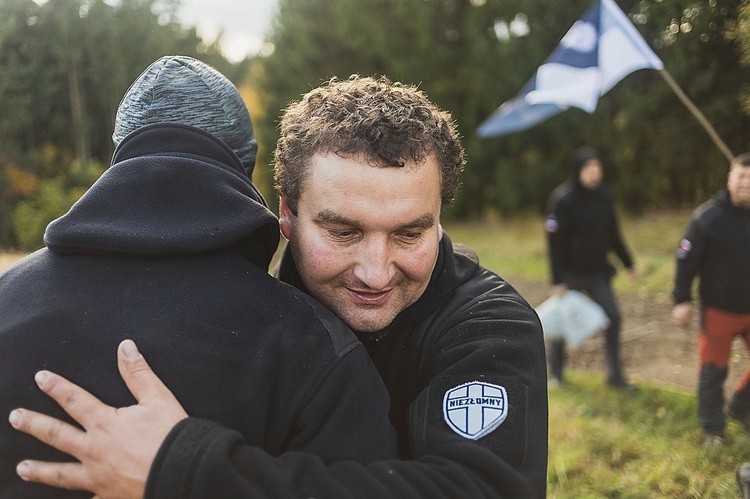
(52, 199)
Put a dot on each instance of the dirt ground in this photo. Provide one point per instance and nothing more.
(654, 349)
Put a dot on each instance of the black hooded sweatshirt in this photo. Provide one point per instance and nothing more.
(170, 248)
(715, 248)
(582, 228)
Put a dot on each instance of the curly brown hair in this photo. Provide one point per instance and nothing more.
(388, 123)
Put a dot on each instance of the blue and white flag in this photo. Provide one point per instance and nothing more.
(598, 51)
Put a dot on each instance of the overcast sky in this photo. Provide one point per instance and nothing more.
(245, 23)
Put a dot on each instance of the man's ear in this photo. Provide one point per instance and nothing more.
(285, 217)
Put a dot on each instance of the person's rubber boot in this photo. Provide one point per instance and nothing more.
(713, 440)
(743, 480)
(711, 404)
(620, 384)
(555, 361)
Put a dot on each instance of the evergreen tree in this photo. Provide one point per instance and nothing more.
(64, 65)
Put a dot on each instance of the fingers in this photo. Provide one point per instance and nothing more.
(49, 430)
(77, 402)
(137, 374)
(70, 476)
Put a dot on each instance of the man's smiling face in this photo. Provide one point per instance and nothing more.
(365, 238)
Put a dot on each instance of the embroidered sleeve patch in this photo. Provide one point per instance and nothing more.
(475, 409)
(684, 249)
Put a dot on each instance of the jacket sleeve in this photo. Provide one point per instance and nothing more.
(688, 261)
(345, 417)
(618, 244)
(557, 227)
(489, 361)
(491, 352)
(217, 463)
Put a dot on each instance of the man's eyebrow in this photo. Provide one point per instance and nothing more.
(423, 222)
(328, 217)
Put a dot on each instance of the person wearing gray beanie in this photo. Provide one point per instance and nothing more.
(170, 248)
(180, 89)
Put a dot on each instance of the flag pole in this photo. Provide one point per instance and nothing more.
(697, 113)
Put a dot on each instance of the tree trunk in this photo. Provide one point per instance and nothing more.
(83, 146)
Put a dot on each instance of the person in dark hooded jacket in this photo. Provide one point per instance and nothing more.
(170, 247)
(582, 229)
(714, 250)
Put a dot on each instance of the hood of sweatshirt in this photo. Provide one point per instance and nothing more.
(171, 190)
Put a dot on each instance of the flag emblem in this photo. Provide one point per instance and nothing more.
(475, 409)
(551, 225)
(684, 249)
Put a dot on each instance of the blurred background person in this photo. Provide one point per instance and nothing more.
(715, 249)
(582, 228)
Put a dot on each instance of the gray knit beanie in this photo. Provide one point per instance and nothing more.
(180, 89)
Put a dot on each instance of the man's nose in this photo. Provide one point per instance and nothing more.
(375, 267)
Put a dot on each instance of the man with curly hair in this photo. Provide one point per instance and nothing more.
(364, 168)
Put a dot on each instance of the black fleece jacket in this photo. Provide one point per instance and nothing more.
(582, 229)
(466, 373)
(716, 248)
(170, 248)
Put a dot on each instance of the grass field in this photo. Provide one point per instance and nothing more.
(635, 445)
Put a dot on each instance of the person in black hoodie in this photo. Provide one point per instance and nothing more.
(170, 247)
(715, 249)
(364, 168)
(582, 229)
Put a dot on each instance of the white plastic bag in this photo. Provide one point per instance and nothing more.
(573, 316)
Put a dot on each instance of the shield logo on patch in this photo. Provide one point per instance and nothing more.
(475, 409)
